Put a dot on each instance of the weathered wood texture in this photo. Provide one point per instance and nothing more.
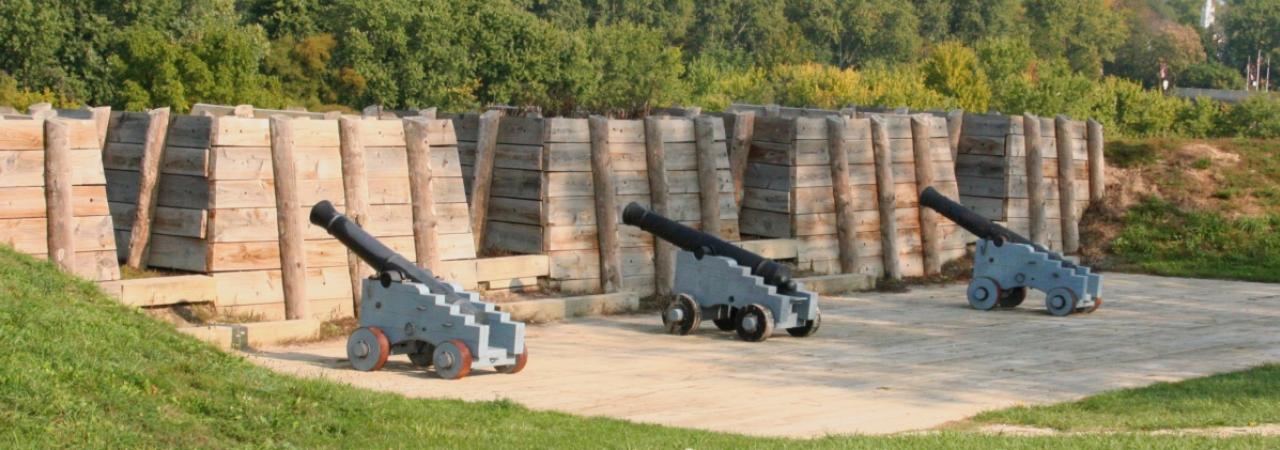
(995, 177)
(1034, 147)
(606, 205)
(148, 187)
(289, 220)
(38, 177)
(355, 193)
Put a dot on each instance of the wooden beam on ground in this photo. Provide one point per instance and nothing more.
(708, 179)
(930, 221)
(59, 210)
(355, 190)
(606, 205)
(846, 223)
(664, 260)
(486, 148)
(1034, 145)
(424, 217)
(1066, 187)
(148, 187)
(1097, 166)
(289, 220)
(885, 197)
(741, 126)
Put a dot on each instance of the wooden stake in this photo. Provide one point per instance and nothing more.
(708, 179)
(148, 187)
(846, 223)
(355, 190)
(955, 123)
(885, 197)
(418, 147)
(486, 148)
(1066, 188)
(664, 261)
(59, 213)
(102, 119)
(606, 205)
(289, 220)
(930, 222)
(741, 126)
(1097, 166)
(1034, 145)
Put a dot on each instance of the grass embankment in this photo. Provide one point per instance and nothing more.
(1206, 209)
(80, 371)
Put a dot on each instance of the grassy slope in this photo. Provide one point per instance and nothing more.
(1213, 218)
(81, 371)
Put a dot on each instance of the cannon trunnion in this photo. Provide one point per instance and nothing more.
(737, 289)
(406, 310)
(1006, 264)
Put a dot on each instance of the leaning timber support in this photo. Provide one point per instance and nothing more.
(418, 150)
(846, 222)
(930, 233)
(289, 221)
(58, 197)
(664, 261)
(486, 148)
(1097, 166)
(355, 190)
(885, 197)
(606, 205)
(148, 188)
(1066, 187)
(1034, 145)
(708, 179)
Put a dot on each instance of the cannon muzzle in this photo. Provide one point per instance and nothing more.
(364, 245)
(702, 244)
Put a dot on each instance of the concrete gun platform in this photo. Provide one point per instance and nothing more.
(882, 363)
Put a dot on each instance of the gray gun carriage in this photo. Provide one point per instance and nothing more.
(406, 310)
(1006, 264)
(739, 290)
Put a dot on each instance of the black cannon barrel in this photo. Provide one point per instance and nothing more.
(367, 247)
(976, 224)
(695, 241)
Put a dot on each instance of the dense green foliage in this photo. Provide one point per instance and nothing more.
(623, 57)
(83, 371)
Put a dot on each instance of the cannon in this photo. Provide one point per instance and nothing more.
(739, 290)
(1006, 264)
(407, 310)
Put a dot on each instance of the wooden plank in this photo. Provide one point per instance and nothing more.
(177, 160)
(22, 135)
(161, 291)
(605, 203)
(767, 200)
(517, 184)
(955, 123)
(30, 235)
(59, 209)
(990, 125)
(26, 168)
(28, 202)
(171, 221)
(766, 223)
(625, 131)
(515, 210)
(509, 267)
(775, 177)
(128, 127)
(148, 184)
(567, 157)
(264, 286)
(514, 237)
(188, 131)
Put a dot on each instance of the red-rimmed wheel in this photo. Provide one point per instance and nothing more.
(521, 360)
(368, 349)
(1097, 303)
(452, 359)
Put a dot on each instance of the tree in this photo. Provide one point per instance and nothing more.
(1211, 76)
(1086, 32)
(953, 70)
(854, 33)
(1153, 41)
(1251, 26)
(637, 70)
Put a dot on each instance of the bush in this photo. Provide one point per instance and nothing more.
(1201, 118)
(1210, 76)
(1256, 117)
(817, 85)
(953, 70)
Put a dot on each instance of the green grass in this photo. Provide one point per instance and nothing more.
(1245, 398)
(1160, 238)
(81, 371)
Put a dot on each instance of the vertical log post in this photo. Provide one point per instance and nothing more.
(1066, 187)
(486, 148)
(606, 205)
(60, 212)
(355, 190)
(930, 223)
(1097, 166)
(955, 124)
(741, 126)
(846, 223)
(148, 187)
(102, 119)
(885, 197)
(655, 151)
(708, 180)
(289, 220)
(418, 147)
(1034, 145)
